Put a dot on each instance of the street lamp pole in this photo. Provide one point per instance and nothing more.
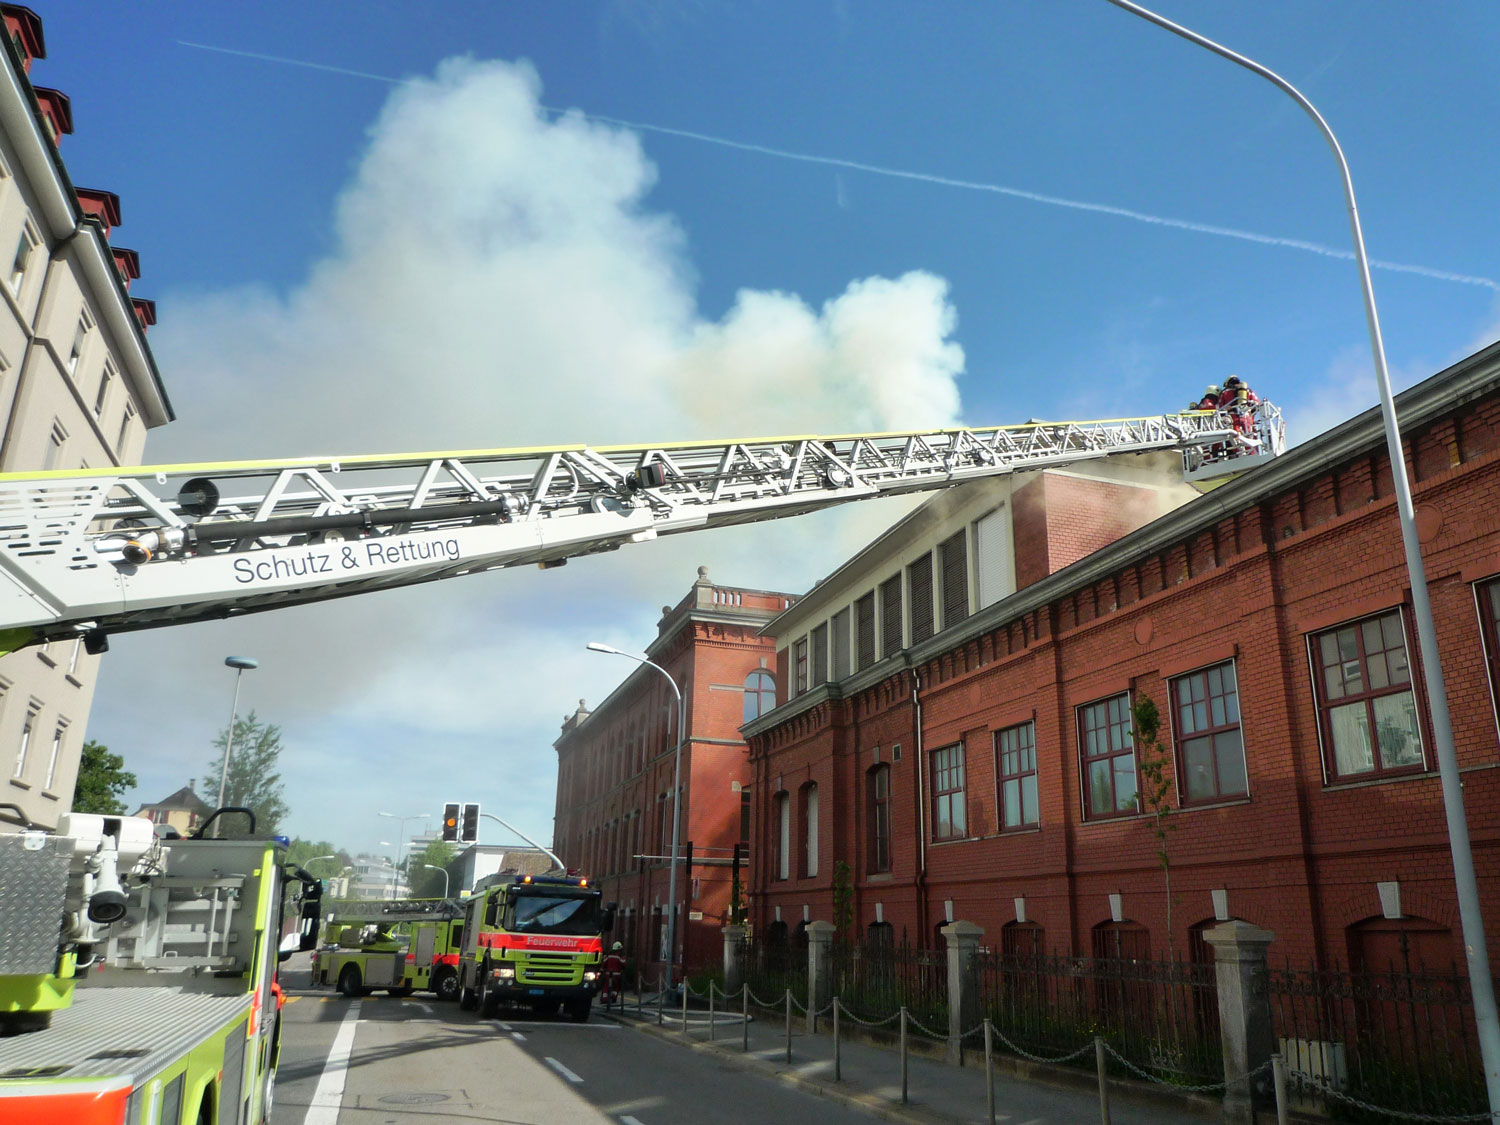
(239, 664)
(507, 824)
(403, 846)
(1470, 914)
(676, 797)
(444, 870)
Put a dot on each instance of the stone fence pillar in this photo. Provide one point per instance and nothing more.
(1244, 1014)
(819, 968)
(963, 983)
(734, 954)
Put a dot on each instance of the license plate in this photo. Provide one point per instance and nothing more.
(536, 992)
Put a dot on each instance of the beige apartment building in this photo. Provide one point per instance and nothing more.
(78, 389)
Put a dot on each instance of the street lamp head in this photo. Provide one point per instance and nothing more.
(595, 646)
(243, 663)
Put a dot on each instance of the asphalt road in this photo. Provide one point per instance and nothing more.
(420, 1060)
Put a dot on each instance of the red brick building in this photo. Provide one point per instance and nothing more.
(979, 763)
(616, 765)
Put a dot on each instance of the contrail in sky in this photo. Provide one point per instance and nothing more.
(930, 178)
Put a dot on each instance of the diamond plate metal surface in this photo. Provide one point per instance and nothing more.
(33, 886)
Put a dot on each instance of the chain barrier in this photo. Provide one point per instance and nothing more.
(1025, 1054)
(892, 1018)
(1403, 1115)
(1206, 1088)
(923, 1028)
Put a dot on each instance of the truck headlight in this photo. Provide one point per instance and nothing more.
(590, 976)
(506, 972)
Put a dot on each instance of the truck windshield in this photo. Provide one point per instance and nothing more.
(554, 914)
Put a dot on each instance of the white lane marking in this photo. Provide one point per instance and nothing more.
(502, 1025)
(329, 1096)
(626, 1119)
(518, 1037)
(425, 1007)
(564, 1071)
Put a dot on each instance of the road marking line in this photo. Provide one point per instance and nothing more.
(292, 999)
(425, 1007)
(502, 1025)
(564, 1071)
(518, 1037)
(626, 1119)
(329, 1096)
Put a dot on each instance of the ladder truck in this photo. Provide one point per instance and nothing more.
(402, 945)
(86, 553)
(154, 998)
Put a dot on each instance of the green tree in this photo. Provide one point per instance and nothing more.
(843, 901)
(302, 853)
(425, 882)
(1155, 792)
(102, 778)
(253, 779)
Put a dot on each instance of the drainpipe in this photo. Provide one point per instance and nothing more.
(921, 790)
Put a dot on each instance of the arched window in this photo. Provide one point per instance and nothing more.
(809, 834)
(760, 693)
(878, 783)
(782, 840)
(880, 935)
(1401, 946)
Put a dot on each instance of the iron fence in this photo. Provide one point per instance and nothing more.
(873, 981)
(1406, 1041)
(1162, 1015)
(771, 967)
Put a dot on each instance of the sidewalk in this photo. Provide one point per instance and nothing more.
(937, 1093)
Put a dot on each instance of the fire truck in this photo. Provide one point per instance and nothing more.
(536, 940)
(156, 999)
(402, 945)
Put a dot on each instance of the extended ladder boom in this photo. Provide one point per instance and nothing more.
(85, 552)
(387, 912)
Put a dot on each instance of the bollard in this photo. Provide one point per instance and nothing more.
(989, 1070)
(661, 1000)
(789, 1026)
(903, 1054)
(711, 987)
(745, 1011)
(1278, 1079)
(684, 1006)
(838, 1070)
(1103, 1080)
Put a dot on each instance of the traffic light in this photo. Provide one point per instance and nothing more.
(450, 822)
(471, 824)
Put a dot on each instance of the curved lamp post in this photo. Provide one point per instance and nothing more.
(444, 870)
(1470, 915)
(240, 664)
(594, 646)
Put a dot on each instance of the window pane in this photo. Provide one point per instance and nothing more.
(959, 814)
(1396, 727)
(1200, 770)
(1099, 790)
(1124, 782)
(1371, 631)
(1012, 803)
(1229, 754)
(1352, 752)
(1028, 800)
(1378, 677)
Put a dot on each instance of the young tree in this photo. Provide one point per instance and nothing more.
(253, 780)
(1155, 792)
(102, 778)
(843, 901)
(302, 853)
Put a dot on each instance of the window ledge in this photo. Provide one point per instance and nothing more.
(51, 796)
(1223, 803)
(19, 784)
(1383, 779)
(954, 840)
(46, 659)
(1118, 818)
(1023, 830)
(879, 877)
(72, 679)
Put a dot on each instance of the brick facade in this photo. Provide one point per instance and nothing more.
(1235, 589)
(616, 766)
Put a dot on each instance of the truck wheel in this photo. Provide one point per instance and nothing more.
(445, 983)
(349, 982)
(468, 999)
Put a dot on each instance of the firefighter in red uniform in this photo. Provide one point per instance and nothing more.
(613, 967)
(1239, 400)
(1210, 399)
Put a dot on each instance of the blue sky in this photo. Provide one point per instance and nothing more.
(418, 226)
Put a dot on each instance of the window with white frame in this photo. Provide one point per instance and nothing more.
(26, 728)
(799, 665)
(878, 787)
(25, 247)
(57, 743)
(1366, 706)
(782, 806)
(126, 421)
(809, 834)
(56, 439)
(760, 693)
(101, 397)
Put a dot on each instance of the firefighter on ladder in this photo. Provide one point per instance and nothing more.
(1240, 401)
(613, 968)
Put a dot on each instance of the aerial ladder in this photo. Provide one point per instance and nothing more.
(90, 553)
(361, 952)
